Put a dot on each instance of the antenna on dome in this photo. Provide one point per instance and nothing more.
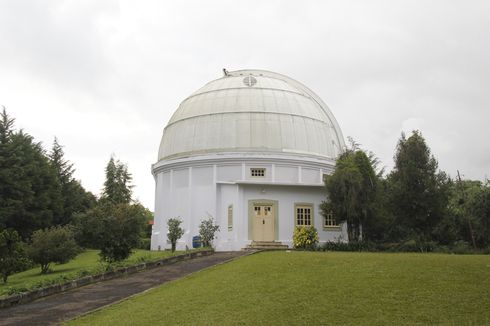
(225, 72)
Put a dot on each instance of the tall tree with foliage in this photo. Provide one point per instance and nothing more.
(117, 185)
(30, 195)
(120, 229)
(12, 256)
(351, 192)
(74, 197)
(469, 214)
(418, 192)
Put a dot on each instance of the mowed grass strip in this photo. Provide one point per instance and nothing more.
(313, 288)
(88, 261)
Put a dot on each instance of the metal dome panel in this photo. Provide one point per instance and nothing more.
(270, 113)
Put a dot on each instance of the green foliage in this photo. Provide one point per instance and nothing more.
(87, 226)
(207, 230)
(305, 237)
(117, 186)
(348, 246)
(175, 232)
(352, 192)
(480, 214)
(145, 243)
(86, 263)
(418, 193)
(54, 245)
(30, 196)
(12, 255)
(118, 230)
(148, 225)
(74, 198)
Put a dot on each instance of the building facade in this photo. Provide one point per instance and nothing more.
(250, 150)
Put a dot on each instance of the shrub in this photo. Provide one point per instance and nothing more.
(348, 246)
(53, 245)
(144, 243)
(462, 247)
(175, 232)
(305, 237)
(207, 230)
(120, 232)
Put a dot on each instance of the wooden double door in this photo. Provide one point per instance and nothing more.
(263, 225)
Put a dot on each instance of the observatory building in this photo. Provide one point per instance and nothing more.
(250, 150)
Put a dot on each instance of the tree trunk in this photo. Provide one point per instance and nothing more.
(173, 246)
(4, 277)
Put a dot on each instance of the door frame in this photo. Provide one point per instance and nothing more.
(265, 202)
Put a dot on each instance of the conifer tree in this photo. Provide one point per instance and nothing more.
(29, 191)
(418, 192)
(117, 186)
(74, 197)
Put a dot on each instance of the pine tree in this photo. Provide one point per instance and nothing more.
(29, 191)
(117, 186)
(418, 192)
(74, 197)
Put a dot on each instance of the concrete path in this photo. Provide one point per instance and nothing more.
(54, 309)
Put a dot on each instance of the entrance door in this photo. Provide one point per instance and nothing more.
(263, 222)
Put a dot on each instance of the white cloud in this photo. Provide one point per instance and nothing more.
(105, 76)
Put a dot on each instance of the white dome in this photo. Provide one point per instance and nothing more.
(252, 111)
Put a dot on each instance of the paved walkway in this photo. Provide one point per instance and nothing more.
(54, 309)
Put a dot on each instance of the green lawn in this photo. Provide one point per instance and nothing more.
(88, 261)
(313, 288)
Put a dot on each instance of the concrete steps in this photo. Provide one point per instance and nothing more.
(266, 245)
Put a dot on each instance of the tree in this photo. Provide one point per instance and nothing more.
(88, 225)
(480, 214)
(175, 232)
(54, 245)
(120, 228)
(207, 230)
(12, 256)
(30, 196)
(351, 192)
(418, 193)
(117, 186)
(74, 197)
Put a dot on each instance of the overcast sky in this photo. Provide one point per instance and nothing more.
(105, 76)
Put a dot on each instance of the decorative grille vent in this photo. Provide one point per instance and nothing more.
(249, 81)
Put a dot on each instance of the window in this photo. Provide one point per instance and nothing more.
(304, 215)
(329, 221)
(257, 172)
(230, 218)
(267, 210)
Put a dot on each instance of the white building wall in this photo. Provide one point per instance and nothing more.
(193, 191)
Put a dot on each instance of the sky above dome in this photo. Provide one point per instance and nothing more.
(105, 76)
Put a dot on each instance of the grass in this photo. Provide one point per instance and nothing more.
(313, 288)
(84, 264)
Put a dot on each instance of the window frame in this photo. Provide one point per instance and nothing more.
(257, 172)
(230, 217)
(309, 206)
(330, 217)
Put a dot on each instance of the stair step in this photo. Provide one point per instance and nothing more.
(266, 245)
(267, 248)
